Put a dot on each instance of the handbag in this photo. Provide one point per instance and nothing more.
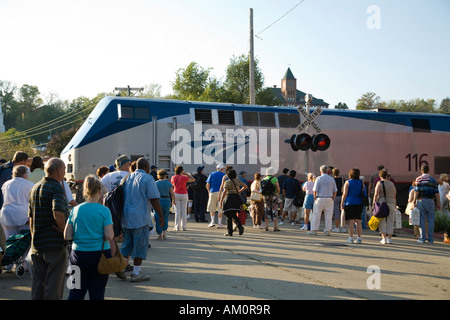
(381, 210)
(255, 196)
(113, 264)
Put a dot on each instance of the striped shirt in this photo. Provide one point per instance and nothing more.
(46, 197)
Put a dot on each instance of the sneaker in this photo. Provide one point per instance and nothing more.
(220, 226)
(121, 275)
(304, 227)
(389, 241)
(358, 240)
(211, 225)
(350, 240)
(313, 233)
(293, 223)
(276, 229)
(383, 241)
(336, 230)
(421, 241)
(281, 222)
(327, 233)
(140, 277)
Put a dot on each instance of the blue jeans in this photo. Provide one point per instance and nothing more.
(91, 281)
(165, 206)
(426, 208)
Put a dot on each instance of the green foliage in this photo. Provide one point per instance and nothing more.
(441, 222)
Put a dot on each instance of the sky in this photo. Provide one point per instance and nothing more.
(337, 50)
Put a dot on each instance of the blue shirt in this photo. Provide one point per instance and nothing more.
(164, 187)
(139, 188)
(89, 221)
(215, 180)
(291, 185)
(355, 187)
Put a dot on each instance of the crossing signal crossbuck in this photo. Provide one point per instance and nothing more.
(304, 141)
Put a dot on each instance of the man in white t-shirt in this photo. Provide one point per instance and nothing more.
(112, 179)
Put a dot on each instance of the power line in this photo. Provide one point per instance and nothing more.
(284, 15)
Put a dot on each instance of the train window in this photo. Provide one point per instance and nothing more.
(69, 168)
(420, 125)
(441, 165)
(288, 120)
(203, 115)
(142, 113)
(267, 119)
(250, 118)
(226, 117)
(126, 112)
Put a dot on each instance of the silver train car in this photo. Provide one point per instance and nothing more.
(253, 138)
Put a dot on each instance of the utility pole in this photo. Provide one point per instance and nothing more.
(252, 63)
(308, 101)
(128, 90)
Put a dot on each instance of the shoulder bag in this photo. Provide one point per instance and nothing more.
(256, 196)
(111, 265)
(381, 210)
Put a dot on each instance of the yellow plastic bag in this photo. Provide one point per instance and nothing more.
(373, 223)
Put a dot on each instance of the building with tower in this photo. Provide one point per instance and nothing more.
(291, 96)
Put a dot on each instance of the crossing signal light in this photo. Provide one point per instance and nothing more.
(321, 142)
(304, 142)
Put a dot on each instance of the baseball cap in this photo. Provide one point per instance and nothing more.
(120, 161)
(220, 166)
(153, 167)
(199, 169)
(242, 172)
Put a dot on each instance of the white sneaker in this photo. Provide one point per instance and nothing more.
(358, 240)
(383, 241)
(211, 224)
(140, 277)
(350, 240)
(336, 230)
(304, 227)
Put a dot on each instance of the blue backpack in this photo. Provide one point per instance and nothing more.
(115, 201)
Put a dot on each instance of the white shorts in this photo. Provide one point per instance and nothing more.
(213, 203)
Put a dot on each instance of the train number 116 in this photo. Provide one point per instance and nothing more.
(416, 161)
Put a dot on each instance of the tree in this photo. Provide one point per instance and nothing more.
(191, 82)
(368, 101)
(341, 105)
(59, 141)
(237, 83)
(444, 107)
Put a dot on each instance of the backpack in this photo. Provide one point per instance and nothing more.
(267, 187)
(299, 198)
(115, 201)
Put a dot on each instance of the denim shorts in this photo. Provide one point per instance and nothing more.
(135, 242)
(309, 201)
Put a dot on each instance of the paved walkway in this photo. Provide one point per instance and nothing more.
(201, 263)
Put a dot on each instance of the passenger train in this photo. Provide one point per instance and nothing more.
(252, 138)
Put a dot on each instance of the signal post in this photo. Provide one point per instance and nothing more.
(303, 141)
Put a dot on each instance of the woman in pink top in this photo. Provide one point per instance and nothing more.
(179, 181)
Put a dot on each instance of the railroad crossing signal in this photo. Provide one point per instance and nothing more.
(309, 119)
(304, 141)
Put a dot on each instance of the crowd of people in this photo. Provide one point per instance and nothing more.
(37, 198)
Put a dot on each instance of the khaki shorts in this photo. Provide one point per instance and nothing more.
(289, 206)
(213, 203)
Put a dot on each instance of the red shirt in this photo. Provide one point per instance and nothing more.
(179, 184)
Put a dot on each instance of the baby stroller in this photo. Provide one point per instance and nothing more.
(16, 250)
